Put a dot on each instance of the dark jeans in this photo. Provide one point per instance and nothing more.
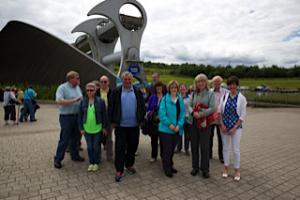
(93, 147)
(154, 145)
(211, 142)
(200, 140)
(187, 139)
(27, 107)
(168, 144)
(69, 134)
(10, 113)
(127, 141)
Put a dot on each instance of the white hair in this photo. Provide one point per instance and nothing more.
(126, 73)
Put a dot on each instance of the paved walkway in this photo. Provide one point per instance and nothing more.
(270, 165)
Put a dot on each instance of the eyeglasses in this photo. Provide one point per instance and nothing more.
(103, 81)
(88, 90)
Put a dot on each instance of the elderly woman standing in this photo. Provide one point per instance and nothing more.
(92, 124)
(232, 112)
(200, 131)
(186, 127)
(172, 116)
(219, 92)
(152, 118)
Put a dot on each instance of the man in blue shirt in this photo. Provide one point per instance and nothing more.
(126, 111)
(29, 95)
(68, 97)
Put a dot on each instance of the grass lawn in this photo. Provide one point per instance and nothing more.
(271, 82)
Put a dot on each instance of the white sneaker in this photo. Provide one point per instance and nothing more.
(152, 160)
(225, 175)
(90, 168)
(95, 167)
(237, 178)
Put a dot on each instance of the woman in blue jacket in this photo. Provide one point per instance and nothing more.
(171, 115)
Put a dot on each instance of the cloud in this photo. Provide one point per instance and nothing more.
(262, 32)
(292, 35)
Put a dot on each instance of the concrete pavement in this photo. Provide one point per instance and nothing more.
(270, 165)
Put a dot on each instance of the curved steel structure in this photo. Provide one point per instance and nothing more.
(128, 28)
(30, 55)
(100, 46)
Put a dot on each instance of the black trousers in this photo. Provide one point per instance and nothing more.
(154, 145)
(187, 139)
(10, 113)
(200, 141)
(127, 141)
(168, 144)
(211, 141)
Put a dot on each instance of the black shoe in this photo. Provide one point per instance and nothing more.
(221, 160)
(78, 159)
(194, 172)
(174, 171)
(169, 174)
(205, 175)
(187, 153)
(33, 120)
(57, 164)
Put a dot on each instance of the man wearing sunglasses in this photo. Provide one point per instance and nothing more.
(104, 94)
(68, 97)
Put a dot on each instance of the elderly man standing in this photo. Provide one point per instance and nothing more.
(68, 97)
(126, 111)
(219, 92)
(105, 94)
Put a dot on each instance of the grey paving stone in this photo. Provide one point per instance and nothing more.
(270, 165)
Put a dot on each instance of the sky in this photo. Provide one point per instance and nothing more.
(216, 32)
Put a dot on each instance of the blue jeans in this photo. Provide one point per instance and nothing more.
(28, 106)
(69, 136)
(93, 147)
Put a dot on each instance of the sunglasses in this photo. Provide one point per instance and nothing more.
(103, 81)
(88, 90)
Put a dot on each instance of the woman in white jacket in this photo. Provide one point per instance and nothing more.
(232, 112)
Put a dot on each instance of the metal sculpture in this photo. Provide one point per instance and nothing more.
(103, 33)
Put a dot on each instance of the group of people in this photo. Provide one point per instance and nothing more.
(167, 114)
(12, 98)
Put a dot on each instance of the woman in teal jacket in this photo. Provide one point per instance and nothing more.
(171, 115)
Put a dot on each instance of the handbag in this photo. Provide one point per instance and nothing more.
(205, 121)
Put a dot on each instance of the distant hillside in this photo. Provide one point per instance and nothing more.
(242, 71)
